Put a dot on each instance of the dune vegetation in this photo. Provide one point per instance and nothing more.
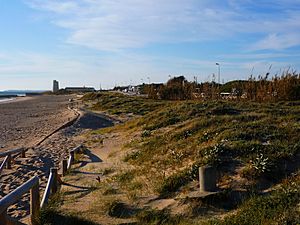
(254, 146)
(247, 130)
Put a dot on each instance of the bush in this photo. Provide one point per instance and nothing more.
(119, 210)
(177, 180)
(156, 217)
(146, 133)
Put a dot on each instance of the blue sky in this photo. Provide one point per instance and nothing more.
(88, 42)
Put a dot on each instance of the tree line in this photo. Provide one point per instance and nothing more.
(262, 88)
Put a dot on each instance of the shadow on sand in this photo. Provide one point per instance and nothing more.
(93, 121)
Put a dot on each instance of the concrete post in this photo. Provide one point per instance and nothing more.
(64, 167)
(207, 178)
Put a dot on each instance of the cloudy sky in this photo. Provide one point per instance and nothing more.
(109, 42)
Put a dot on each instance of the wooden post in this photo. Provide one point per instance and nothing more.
(64, 167)
(54, 185)
(72, 154)
(23, 154)
(3, 218)
(35, 204)
(8, 164)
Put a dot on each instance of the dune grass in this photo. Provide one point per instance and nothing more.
(179, 136)
(280, 207)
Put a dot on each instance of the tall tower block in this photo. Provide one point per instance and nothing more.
(55, 86)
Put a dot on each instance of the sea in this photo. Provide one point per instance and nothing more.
(10, 95)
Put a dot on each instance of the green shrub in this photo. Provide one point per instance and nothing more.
(156, 217)
(146, 133)
(125, 177)
(177, 180)
(118, 209)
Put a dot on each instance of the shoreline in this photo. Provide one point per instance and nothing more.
(15, 99)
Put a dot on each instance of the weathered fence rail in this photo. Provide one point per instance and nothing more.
(4, 163)
(72, 155)
(51, 187)
(32, 185)
(8, 157)
(13, 151)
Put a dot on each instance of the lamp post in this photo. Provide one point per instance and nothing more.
(218, 64)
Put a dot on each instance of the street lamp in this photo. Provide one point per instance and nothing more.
(218, 64)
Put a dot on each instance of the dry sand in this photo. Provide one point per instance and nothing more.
(25, 121)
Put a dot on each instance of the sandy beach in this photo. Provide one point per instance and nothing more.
(25, 121)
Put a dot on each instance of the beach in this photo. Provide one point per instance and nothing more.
(27, 120)
(47, 126)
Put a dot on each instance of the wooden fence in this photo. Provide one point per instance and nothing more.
(32, 186)
(9, 157)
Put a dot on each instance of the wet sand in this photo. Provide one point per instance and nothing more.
(25, 121)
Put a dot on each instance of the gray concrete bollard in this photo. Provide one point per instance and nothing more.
(207, 179)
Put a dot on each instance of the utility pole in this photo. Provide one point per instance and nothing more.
(218, 64)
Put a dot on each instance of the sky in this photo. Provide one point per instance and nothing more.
(118, 42)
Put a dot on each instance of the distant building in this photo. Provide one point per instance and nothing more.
(55, 86)
(79, 89)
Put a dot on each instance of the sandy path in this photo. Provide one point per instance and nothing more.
(78, 189)
(39, 161)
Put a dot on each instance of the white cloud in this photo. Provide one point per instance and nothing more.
(277, 42)
(59, 7)
(36, 71)
(114, 24)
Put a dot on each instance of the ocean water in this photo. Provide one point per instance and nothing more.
(7, 95)
(6, 99)
(4, 95)
(18, 93)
